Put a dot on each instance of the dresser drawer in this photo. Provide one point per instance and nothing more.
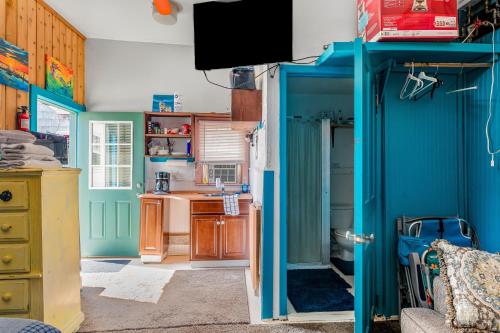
(14, 296)
(14, 195)
(14, 226)
(14, 258)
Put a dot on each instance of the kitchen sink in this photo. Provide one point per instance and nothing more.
(219, 194)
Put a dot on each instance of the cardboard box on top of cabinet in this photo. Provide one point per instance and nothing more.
(407, 20)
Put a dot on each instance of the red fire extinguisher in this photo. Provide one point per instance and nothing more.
(23, 119)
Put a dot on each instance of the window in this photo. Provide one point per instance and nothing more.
(221, 143)
(54, 127)
(222, 153)
(110, 154)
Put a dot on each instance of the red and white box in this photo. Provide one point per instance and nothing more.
(407, 20)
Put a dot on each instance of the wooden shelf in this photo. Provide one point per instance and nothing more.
(169, 114)
(171, 156)
(166, 136)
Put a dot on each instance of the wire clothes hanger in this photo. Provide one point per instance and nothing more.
(430, 88)
(418, 83)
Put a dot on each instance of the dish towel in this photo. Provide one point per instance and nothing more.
(231, 206)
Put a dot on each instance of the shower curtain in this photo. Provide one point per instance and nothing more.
(304, 191)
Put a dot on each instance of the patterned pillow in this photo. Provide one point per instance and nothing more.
(472, 280)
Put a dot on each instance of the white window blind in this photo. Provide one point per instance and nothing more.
(111, 155)
(221, 143)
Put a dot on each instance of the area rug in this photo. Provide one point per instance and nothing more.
(385, 327)
(131, 282)
(192, 297)
(103, 266)
(318, 290)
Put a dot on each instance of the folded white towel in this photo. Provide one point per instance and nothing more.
(42, 164)
(12, 137)
(10, 164)
(24, 157)
(26, 148)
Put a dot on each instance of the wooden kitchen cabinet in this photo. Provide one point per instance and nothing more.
(152, 242)
(215, 236)
(205, 231)
(246, 105)
(234, 237)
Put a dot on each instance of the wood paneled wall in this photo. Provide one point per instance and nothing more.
(35, 27)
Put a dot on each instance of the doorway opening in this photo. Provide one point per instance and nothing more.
(320, 198)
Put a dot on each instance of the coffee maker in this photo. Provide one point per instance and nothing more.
(162, 183)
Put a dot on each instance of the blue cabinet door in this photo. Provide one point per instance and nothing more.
(365, 190)
(111, 156)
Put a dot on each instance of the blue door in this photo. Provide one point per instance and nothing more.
(111, 156)
(365, 190)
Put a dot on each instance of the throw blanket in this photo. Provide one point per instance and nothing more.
(472, 280)
(10, 325)
(12, 137)
(7, 164)
(26, 148)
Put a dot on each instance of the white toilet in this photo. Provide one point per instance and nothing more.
(342, 221)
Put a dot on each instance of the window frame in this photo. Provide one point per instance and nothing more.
(244, 165)
(91, 144)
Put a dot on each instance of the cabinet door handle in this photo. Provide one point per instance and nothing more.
(6, 297)
(218, 222)
(7, 259)
(222, 222)
(5, 227)
(6, 196)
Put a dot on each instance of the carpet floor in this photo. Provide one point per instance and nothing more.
(388, 327)
(191, 298)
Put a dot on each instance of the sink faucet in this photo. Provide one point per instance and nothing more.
(220, 185)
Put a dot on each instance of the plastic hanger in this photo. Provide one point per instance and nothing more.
(410, 77)
(424, 77)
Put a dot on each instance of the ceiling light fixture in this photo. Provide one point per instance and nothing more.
(165, 11)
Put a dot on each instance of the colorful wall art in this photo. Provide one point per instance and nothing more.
(13, 66)
(59, 78)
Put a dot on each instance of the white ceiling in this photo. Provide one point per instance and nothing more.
(126, 20)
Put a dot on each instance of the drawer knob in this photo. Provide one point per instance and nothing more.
(6, 227)
(6, 196)
(7, 259)
(6, 297)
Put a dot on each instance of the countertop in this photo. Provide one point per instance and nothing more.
(190, 195)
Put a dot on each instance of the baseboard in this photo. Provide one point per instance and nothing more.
(151, 258)
(220, 263)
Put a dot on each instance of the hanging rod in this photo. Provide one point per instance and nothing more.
(448, 64)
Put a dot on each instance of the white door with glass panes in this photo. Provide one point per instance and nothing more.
(111, 156)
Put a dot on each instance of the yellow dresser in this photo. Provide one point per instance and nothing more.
(40, 247)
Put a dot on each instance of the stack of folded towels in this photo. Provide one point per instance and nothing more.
(17, 149)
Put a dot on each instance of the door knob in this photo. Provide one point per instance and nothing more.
(5, 227)
(6, 196)
(6, 297)
(7, 259)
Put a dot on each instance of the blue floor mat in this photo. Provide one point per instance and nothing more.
(318, 290)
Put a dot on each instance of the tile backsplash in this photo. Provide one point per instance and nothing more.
(182, 176)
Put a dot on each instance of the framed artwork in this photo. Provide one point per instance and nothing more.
(167, 103)
(59, 78)
(14, 67)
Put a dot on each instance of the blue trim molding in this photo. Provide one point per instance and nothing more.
(267, 246)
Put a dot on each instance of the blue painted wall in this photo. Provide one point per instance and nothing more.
(423, 173)
(483, 181)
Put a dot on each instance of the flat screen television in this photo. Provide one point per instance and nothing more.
(241, 33)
